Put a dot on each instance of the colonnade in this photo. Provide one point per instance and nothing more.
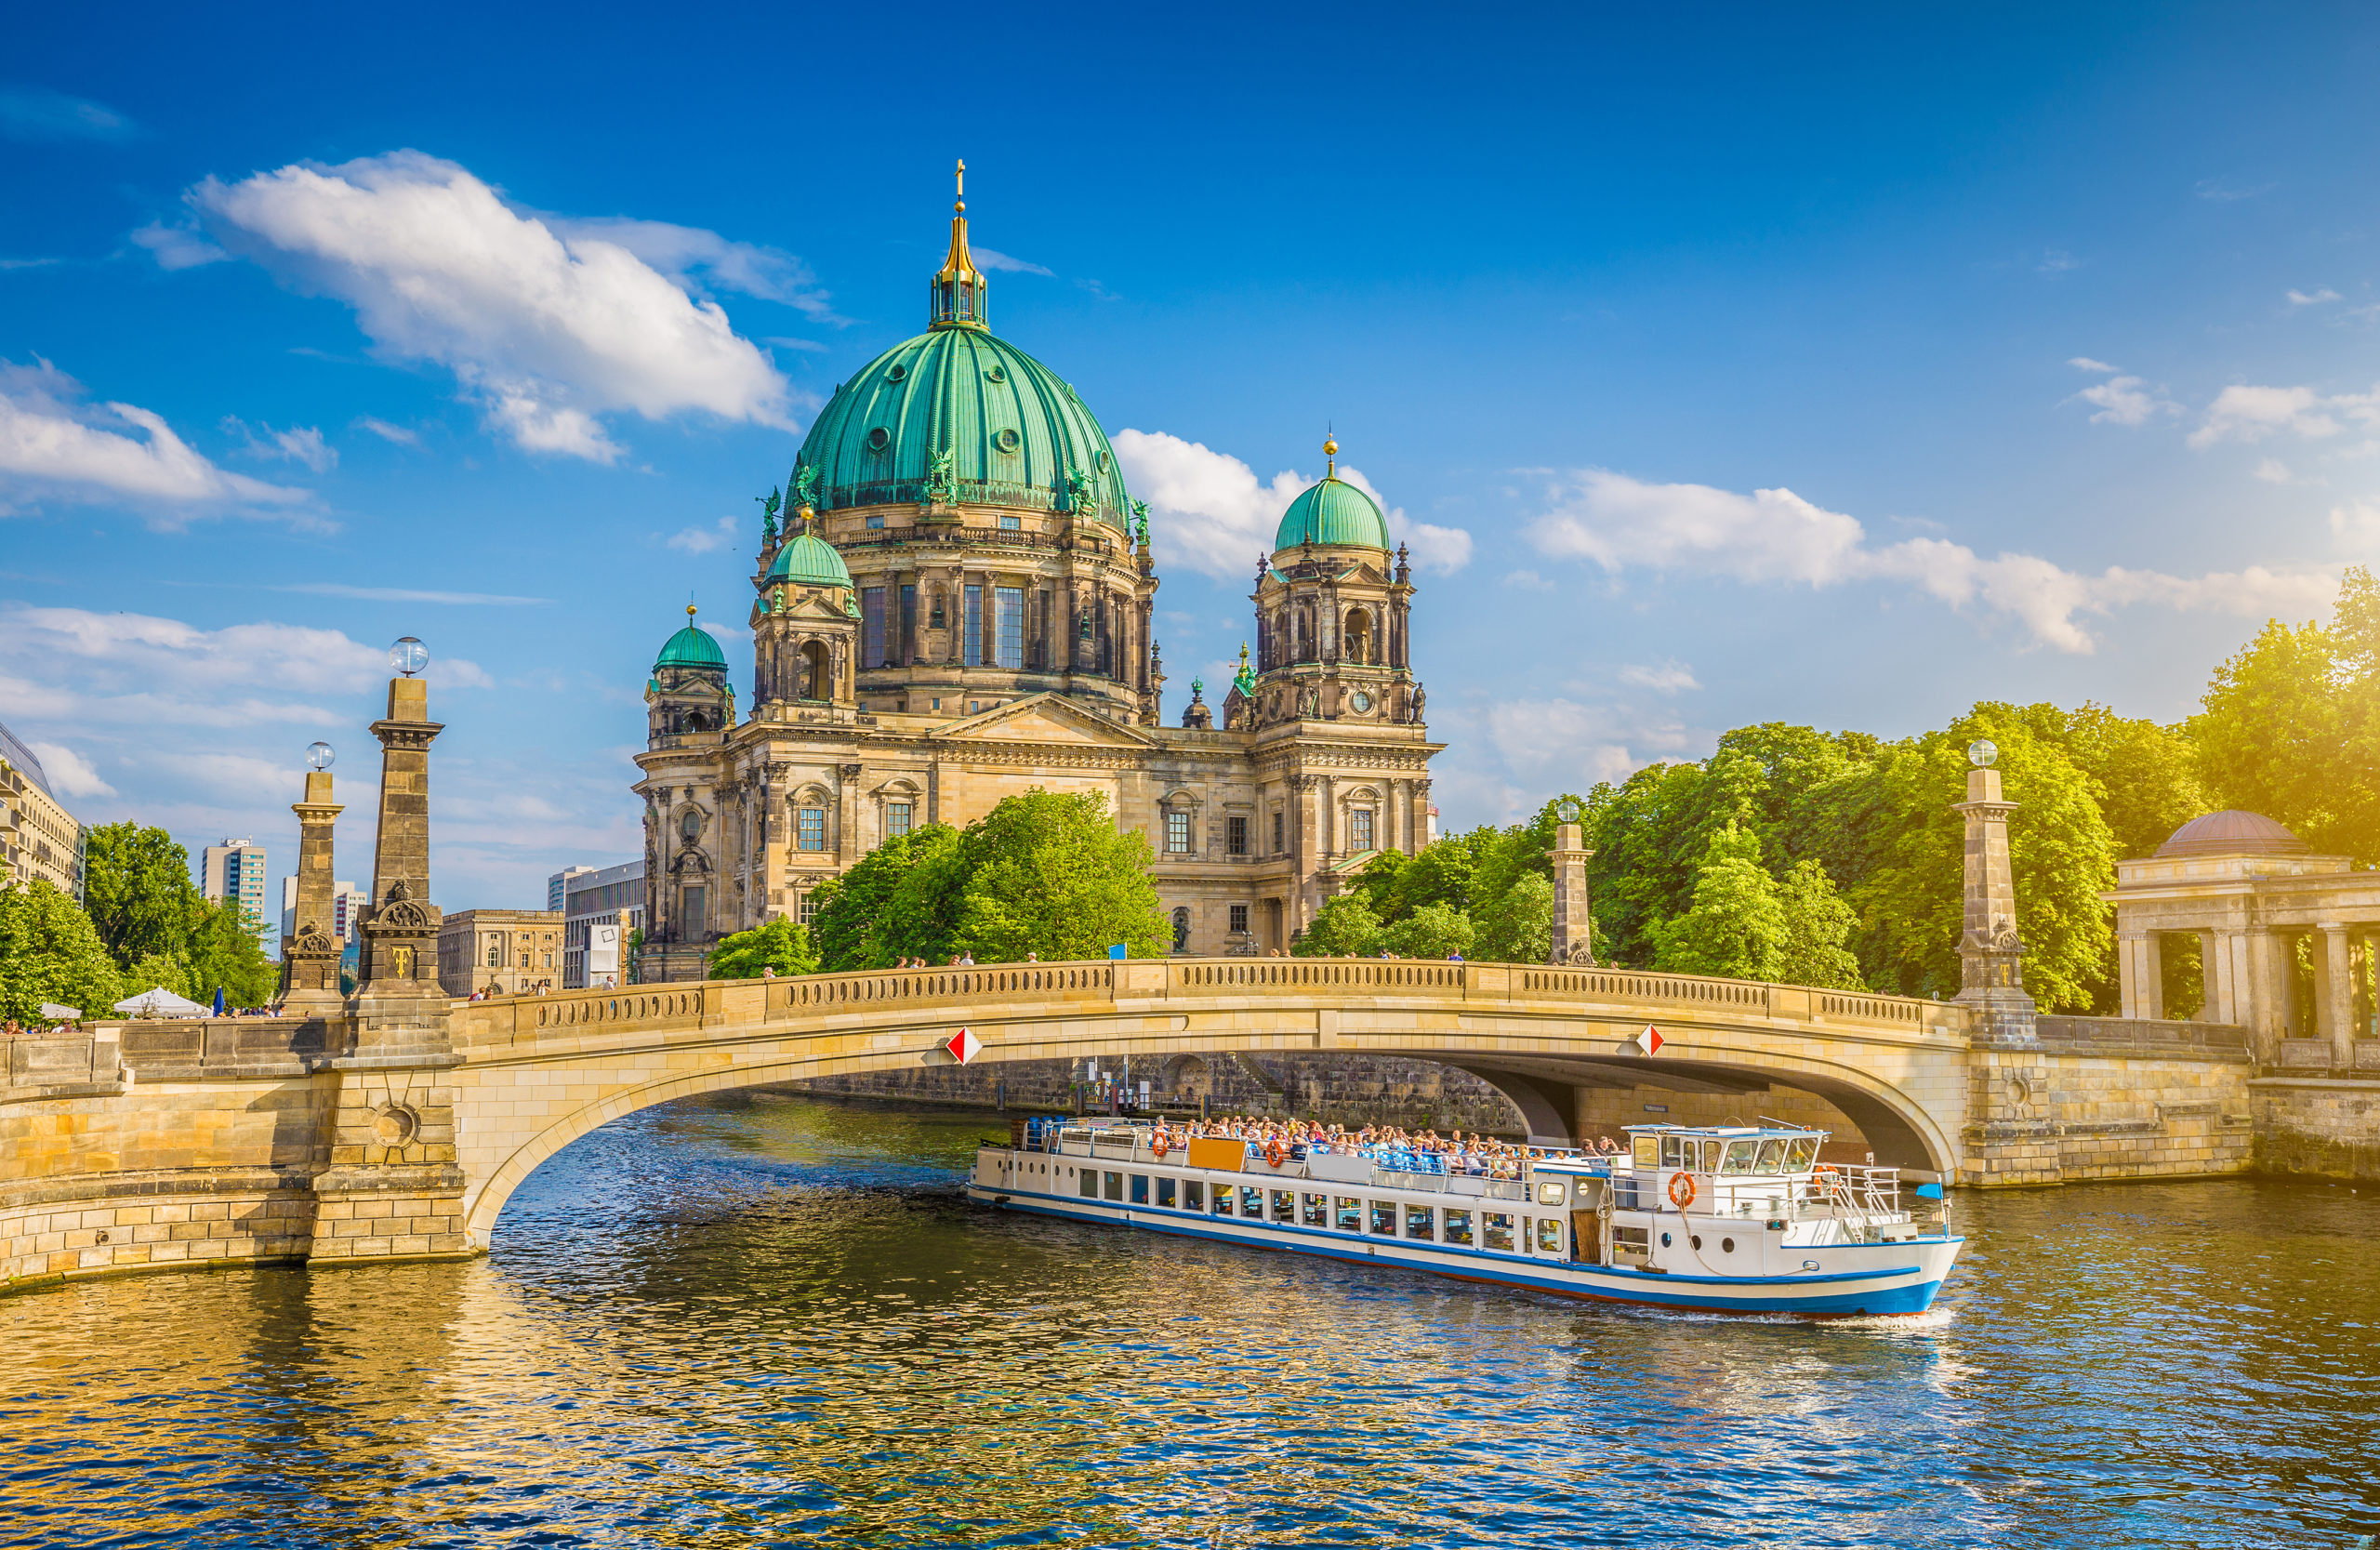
(2252, 979)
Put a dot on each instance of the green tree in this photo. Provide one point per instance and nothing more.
(2289, 726)
(1050, 873)
(1817, 928)
(857, 924)
(1433, 931)
(222, 950)
(781, 944)
(136, 889)
(49, 951)
(1344, 927)
(1735, 927)
(1518, 927)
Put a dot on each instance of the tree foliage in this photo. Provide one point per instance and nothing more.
(51, 952)
(781, 944)
(160, 930)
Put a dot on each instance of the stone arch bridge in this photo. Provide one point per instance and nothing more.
(148, 1144)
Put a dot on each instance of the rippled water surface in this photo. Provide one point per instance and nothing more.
(768, 1321)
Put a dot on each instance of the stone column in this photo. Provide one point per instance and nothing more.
(399, 1008)
(1992, 969)
(2269, 982)
(2335, 994)
(310, 953)
(1573, 940)
(2213, 977)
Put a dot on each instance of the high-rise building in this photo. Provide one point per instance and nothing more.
(558, 886)
(346, 899)
(38, 838)
(235, 871)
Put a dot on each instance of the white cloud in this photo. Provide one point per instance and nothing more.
(1775, 535)
(1528, 581)
(2248, 413)
(703, 541)
(51, 442)
(36, 114)
(2124, 400)
(70, 772)
(2272, 471)
(303, 444)
(2085, 363)
(178, 247)
(2057, 261)
(546, 325)
(684, 253)
(1663, 678)
(387, 432)
(2313, 297)
(1207, 509)
(986, 259)
(2358, 523)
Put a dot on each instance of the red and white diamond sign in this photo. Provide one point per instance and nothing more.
(1650, 1041)
(963, 1046)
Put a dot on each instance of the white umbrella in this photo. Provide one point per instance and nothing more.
(160, 1002)
(56, 1013)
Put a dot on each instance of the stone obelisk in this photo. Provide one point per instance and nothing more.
(393, 1189)
(310, 952)
(1991, 956)
(1573, 926)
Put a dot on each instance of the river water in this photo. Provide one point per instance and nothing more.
(769, 1321)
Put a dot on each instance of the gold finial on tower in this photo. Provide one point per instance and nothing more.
(689, 613)
(958, 286)
(1329, 455)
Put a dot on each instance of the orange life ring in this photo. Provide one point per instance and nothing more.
(1158, 1147)
(1681, 1190)
(1274, 1153)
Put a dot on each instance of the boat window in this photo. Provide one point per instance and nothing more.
(1549, 1235)
(1194, 1195)
(1496, 1229)
(1091, 1184)
(1285, 1205)
(1384, 1218)
(1421, 1222)
(1673, 1152)
(1458, 1227)
(1711, 1151)
(1315, 1210)
(1251, 1202)
(1165, 1191)
(1223, 1199)
(1648, 1151)
(1551, 1193)
(1740, 1154)
(1772, 1156)
(1802, 1153)
(1347, 1213)
(1114, 1187)
(1140, 1189)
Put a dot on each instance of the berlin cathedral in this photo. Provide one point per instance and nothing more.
(957, 609)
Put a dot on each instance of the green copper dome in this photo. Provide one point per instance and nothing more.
(1004, 430)
(1333, 512)
(808, 561)
(692, 648)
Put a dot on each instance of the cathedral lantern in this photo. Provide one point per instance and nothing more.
(805, 625)
(1332, 612)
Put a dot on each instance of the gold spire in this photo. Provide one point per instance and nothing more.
(1330, 456)
(959, 286)
(689, 613)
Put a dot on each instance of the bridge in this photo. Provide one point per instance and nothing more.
(150, 1144)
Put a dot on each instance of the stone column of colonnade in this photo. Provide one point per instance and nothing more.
(2334, 991)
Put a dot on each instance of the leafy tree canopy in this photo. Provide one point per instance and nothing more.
(781, 944)
(49, 953)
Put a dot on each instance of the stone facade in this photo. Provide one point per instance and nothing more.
(2321, 1126)
(506, 952)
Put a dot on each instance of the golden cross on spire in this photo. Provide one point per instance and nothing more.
(962, 185)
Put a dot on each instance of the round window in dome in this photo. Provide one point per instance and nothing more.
(996, 373)
(896, 373)
(1007, 440)
(1100, 463)
(879, 439)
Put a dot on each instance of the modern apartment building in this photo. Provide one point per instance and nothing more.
(235, 869)
(38, 838)
(612, 897)
(558, 886)
(346, 899)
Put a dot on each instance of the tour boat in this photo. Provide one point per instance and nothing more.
(1708, 1219)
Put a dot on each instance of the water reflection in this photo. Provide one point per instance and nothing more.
(734, 1321)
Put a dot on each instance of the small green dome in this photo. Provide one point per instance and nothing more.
(691, 648)
(1014, 433)
(1333, 512)
(808, 560)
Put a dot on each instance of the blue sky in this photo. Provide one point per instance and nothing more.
(1745, 365)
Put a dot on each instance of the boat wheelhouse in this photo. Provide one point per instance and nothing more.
(1730, 1219)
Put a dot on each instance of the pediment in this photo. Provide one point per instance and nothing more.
(1046, 719)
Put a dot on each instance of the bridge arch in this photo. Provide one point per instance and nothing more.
(566, 1066)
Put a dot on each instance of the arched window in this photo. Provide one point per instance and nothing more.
(1182, 930)
(1358, 637)
(817, 676)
